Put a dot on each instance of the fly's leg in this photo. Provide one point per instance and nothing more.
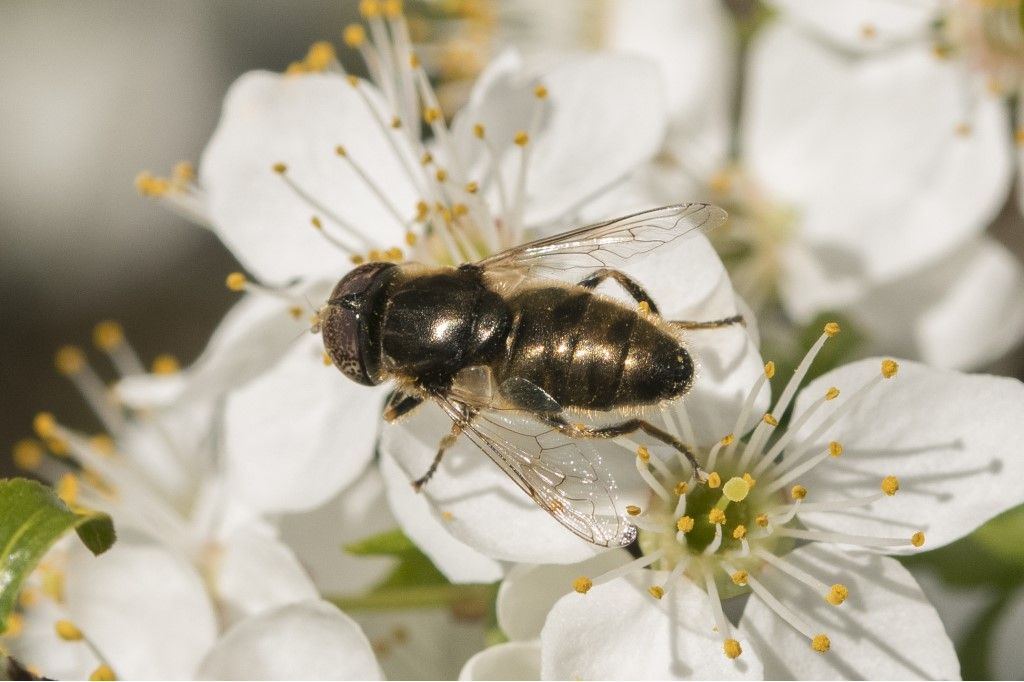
(632, 287)
(625, 428)
(400, 404)
(446, 442)
(710, 324)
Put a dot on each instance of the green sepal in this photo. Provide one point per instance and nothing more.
(32, 518)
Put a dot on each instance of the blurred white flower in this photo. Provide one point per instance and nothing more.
(193, 559)
(860, 182)
(801, 518)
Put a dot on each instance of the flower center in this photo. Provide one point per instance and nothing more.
(990, 36)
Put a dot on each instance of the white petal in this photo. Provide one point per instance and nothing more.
(270, 118)
(318, 537)
(529, 591)
(143, 607)
(508, 661)
(693, 44)
(481, 506)
(845, 141)
(962, 312)
(864, 24)
(958, 606)
(255, 572)
(951, 439)
(574, 154)
(886, 629)
(459, 562)
(299, 433)
(232, 356)
(1006, 655)
(422, 644)
(311, 640)
(619, 631)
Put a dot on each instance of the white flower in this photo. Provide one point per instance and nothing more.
(525, 156)
(863, 182)
(192, 559)
(801, 517)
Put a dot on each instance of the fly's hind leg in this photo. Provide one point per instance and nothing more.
(632, 287)
(625, 428)
(442, 447)
(709, 324)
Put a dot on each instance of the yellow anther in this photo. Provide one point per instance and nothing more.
(29, 597)
(1018, 136)
(394, 254)
(67, 488)
(45, 425)
(375, 255)
(761, 520)
(441, 175)
(369, 8)
(430, 114)
(633, 510)
(798, 492)
(832, 328)
(107, 335)
(52, 582)
(357, 259)
(447, 516)
(714, 480)
(354, 35)
(58, 446)
(316, 223)
(69, 360)
(889, 368)
(183, 172)
(396, 122)
(103, 444)
(681, 488)
(770, 420)
(521, 138)
(459, 210)
(750, 480)
(166, 364)
(835, 448)
(148, 185)
(472, 187)
(236, 281)
(414, 60)
(656, 591)
(732, 648)
(352, 80)
(340, 150)
(321, 55)
(740, 577)
(103, 673)
(422, 210)
(479, 130)
(821, 643)
(643, 454)
(769, 369)
(540, 92)
(643, 307)
(917, 539)
(326, 359)
(716, 516)
(963, 129)
(13, 626)
(736, 489)
(728, 440)
(27, 454)
(295, 68)
(280, 168)
(739, 532)
(582, 584)
(890, 484)
(410, 238)
(684, 524)
(837, 594)
(67, 631)
(392, 8)
(832, 393)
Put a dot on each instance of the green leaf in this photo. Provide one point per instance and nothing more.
(1003, 537)
(388, 543)
(414, 568)
(32, 518)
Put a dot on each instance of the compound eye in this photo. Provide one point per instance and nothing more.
(344, 326)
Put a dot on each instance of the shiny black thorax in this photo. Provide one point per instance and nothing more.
(584, 350)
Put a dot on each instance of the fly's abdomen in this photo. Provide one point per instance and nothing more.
(592, 353)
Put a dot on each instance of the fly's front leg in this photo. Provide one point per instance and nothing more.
(632, 287)
(446, 442)
(400, 404)
(709, 324)
(625, 428)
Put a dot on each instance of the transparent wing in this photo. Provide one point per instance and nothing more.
(566, 477)
(608, 244)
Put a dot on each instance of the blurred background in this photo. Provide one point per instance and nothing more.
(93, 93)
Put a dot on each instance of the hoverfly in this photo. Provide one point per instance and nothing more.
(507, 341)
